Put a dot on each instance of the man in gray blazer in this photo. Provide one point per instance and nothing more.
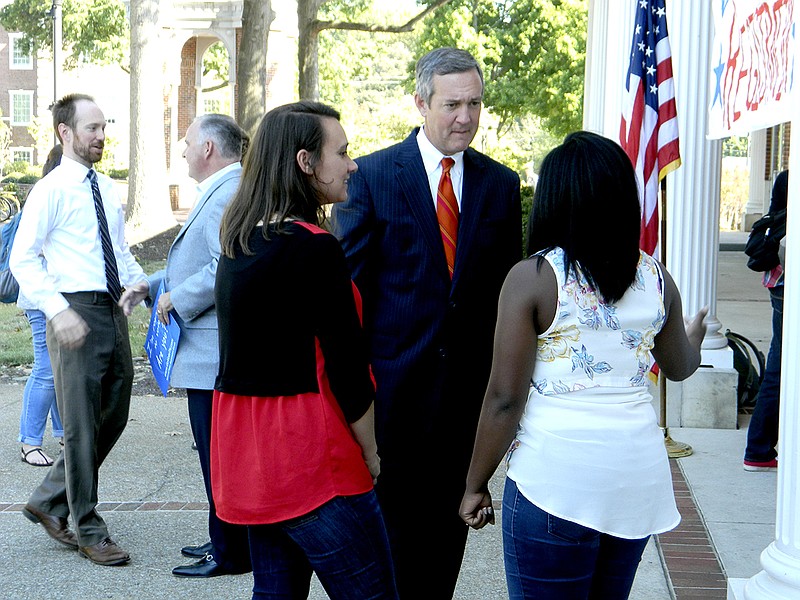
(213, 152)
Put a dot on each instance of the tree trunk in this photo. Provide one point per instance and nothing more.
(307, 48)
(251, 72)
(148, 210)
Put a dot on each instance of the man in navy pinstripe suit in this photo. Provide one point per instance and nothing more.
(430, 336)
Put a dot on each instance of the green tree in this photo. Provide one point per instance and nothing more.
(93, 30)
(315, 16)
(362, 74)
(533, 53)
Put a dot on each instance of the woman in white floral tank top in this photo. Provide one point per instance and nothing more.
(568, 402)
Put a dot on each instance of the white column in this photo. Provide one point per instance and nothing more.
(780, 579)
(693, 190)
(607, 56)
(758, 199)
(594, 86)
(709, 398)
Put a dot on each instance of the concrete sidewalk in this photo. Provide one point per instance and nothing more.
(153, 499)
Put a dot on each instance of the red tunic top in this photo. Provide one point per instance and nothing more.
(278, 457)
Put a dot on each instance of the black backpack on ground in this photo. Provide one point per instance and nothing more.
(765, 240)
(749, 363)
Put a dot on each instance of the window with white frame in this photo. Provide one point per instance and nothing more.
(211, 105)
(24, 154)
(21, 103)
(17, 59)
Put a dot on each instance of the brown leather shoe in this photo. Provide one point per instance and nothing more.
(105, 552)
(56, 527)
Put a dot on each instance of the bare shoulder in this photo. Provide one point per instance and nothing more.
(531, 286)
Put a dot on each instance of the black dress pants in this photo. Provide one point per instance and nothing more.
(231, 548)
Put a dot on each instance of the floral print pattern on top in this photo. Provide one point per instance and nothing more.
(582, 312)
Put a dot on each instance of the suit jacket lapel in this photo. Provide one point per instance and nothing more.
(413, 182)
(474, 193)
(202, 201)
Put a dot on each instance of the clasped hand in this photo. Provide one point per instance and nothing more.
(476, 509)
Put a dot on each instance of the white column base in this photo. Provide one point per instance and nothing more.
(736, 588)
(706, 400)
(780, 579)
(721, 358)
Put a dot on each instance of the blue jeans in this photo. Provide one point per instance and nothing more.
(39, 396)
(548, 558)
(762, 434)
(343, 541)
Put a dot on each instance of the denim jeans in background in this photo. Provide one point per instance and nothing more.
(548, 558)
(762, 434)
(39, 396)
(344, 542)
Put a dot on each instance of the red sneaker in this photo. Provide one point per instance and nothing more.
(754, 465)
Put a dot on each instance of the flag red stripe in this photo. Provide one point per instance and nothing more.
(649, 125)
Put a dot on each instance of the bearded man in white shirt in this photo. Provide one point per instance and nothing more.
(74, 219)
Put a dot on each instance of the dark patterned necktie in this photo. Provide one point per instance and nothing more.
(112, 274)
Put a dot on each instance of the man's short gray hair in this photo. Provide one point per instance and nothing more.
(224, 132)
(443, 61)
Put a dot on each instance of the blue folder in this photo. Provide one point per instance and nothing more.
(161, 345)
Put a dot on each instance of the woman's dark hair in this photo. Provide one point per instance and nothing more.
(273, 187)
(53, 159)
(780, 191)
(587, 203)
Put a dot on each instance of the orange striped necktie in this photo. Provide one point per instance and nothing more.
(447, 213)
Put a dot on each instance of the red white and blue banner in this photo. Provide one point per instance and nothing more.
(649, 125)
(752, 65)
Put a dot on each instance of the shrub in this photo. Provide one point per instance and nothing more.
(12, 178)
(18, 166)
(527, 203)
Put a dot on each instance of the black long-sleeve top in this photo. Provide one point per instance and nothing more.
(272, 305)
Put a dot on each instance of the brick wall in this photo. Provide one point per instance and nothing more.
(16, 79)
(187, 95)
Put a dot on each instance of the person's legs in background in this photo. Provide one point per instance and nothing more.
(762, 433)
(39, 397)
(229, 543)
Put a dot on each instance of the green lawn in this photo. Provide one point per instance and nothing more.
(15, 334)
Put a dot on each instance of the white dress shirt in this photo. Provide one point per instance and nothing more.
(209, 181)
(432, 159)
(60, 223)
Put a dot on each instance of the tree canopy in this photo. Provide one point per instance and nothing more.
(93, 30)
(533, 52)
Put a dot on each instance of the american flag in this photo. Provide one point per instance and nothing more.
(649, 127)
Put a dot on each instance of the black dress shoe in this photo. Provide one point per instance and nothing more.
(196, 551)
(205, 567)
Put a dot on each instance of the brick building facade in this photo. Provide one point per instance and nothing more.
(18, 95)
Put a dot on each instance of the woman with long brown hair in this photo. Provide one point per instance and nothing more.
(293, 452)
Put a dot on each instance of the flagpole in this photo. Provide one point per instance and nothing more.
(674, 449)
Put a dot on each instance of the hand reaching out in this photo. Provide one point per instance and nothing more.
(696, 328)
